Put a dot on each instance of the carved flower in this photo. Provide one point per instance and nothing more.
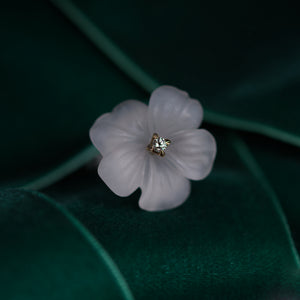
(157, 148)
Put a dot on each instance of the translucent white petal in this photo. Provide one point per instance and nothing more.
(126, 123)
(171, 110)
(193, 152)
(163, 187)
(123, 169)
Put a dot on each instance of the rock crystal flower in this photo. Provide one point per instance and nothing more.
(157, 148)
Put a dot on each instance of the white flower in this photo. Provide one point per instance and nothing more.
(133, 157)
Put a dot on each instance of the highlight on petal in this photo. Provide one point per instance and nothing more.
(171, 110)
(163, 187)
(126, 123)
(193, 152)
(123, 169)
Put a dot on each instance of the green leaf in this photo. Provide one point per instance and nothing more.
(46, 253)
(230, 240)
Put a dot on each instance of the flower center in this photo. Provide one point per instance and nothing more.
(158, 144)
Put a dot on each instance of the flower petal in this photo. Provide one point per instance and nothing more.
(123, 169)
(193, 152)
(163, 187)
(127, 122)
(171, 110)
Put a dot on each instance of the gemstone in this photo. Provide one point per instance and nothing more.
(158, 144)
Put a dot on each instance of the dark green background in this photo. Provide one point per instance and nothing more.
(237, 235)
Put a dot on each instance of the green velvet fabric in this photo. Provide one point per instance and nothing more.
(47, 254)
(230, 239)
(241, 58)
(54, 84)
(235, 237)
(281, 165)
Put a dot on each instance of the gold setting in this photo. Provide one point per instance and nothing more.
(158, 145)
